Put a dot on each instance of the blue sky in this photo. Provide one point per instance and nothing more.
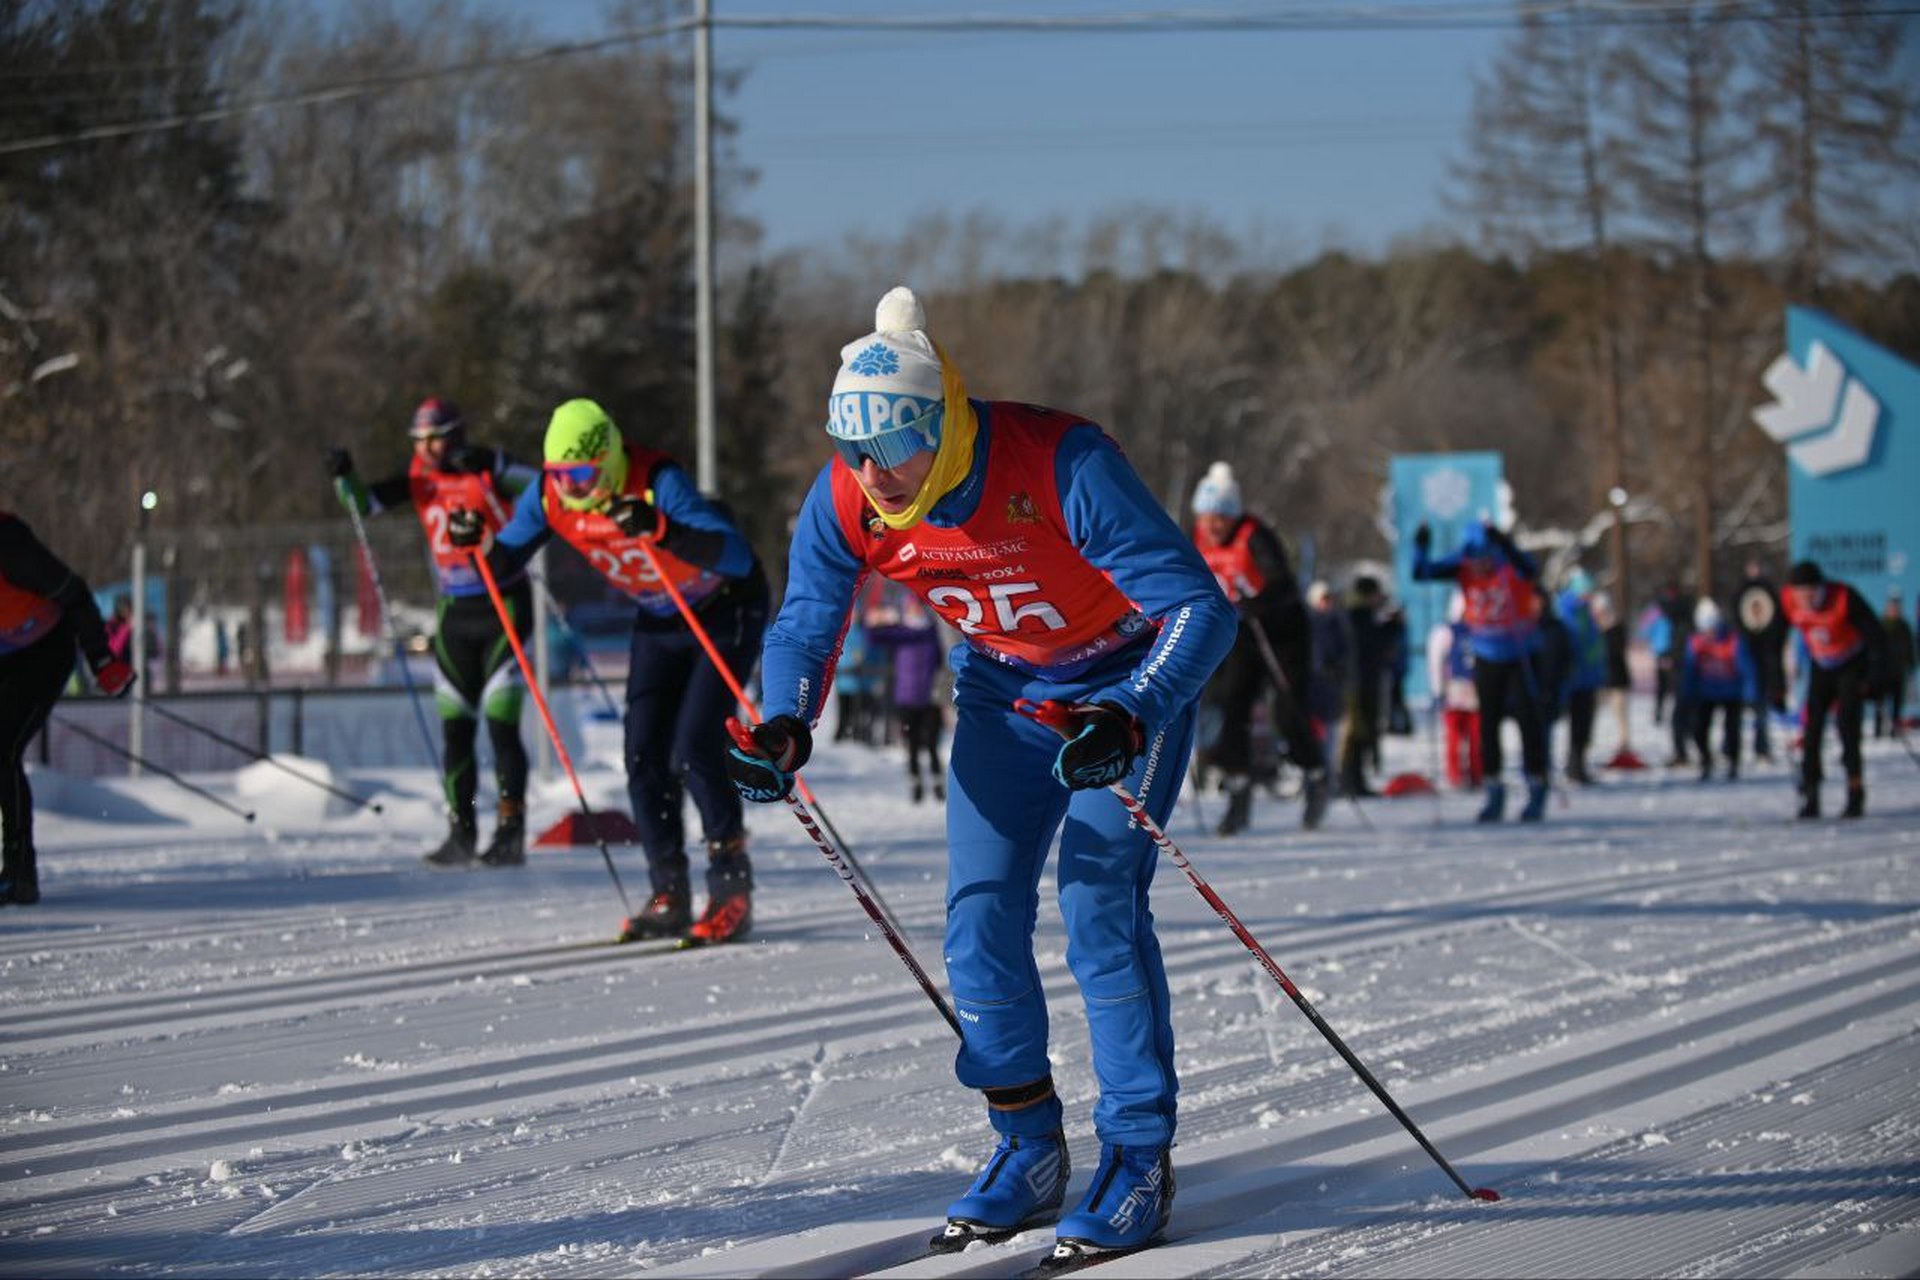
(1304, 139)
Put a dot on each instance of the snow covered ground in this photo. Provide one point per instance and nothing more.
(1676, 1031)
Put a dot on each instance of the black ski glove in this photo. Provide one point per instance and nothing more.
(1102, 750)
(465, 529)
(635, 515)
(1423, 539)
(780, 747)
(339, 463)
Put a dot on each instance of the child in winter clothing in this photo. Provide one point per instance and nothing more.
(1717, 673)
(1450, 671)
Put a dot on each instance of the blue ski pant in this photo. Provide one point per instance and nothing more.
(1003, 809)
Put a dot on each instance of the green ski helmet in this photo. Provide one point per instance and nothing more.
(584, 455)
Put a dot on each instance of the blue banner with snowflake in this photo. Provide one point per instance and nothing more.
(1446, 492)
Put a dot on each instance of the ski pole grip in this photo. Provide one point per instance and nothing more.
(742, 736)
(1052, 713)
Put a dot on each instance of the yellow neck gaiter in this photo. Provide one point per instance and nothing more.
(951, 461)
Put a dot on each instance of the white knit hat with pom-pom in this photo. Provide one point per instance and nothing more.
(1218, 493)
(889, 381)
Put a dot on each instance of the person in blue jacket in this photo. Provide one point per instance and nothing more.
(1497, 578)
(1587, 673)
(1027, 529)
(641, 521)
(1717, 673)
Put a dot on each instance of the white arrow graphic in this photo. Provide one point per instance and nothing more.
(1851, 439)
(1804, 399)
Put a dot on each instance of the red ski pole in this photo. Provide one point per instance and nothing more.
(1056, 715)
(546, 718)
(744, 737)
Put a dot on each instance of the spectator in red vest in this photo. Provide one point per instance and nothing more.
(1717, 673)
(1846, 650)
(1252, 566)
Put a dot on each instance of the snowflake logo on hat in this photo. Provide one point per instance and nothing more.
(875, 360)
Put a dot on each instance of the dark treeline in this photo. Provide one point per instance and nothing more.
(200, 309)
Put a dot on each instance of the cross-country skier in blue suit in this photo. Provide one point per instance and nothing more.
(1028, 530)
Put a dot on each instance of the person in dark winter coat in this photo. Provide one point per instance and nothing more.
(1717, 673)
(1368, 682)
(918, 654)
(1332, 662)
(1550, 668)
(1619, 679)
(1497, 578)
(1586, 672)
(1757, 612)
(1847, 650)
(1890, 708)
(1252, 566)
(46, 609)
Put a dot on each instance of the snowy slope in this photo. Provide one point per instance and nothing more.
(1677, 1032)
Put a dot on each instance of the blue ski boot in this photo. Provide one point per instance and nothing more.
(1125, 1208)
(1495, 807)
(1536, 800)
(1022, 1185)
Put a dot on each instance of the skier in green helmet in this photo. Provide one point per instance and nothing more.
(628, 508)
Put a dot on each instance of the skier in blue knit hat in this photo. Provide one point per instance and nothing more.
(1026, 529)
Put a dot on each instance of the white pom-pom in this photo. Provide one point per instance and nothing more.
(1219, 473)
(899, 312)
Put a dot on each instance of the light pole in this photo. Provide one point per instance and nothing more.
(1617, 549)
(707, 462)
(136, 726)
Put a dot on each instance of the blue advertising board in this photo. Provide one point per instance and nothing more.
(1446, 492)
(1848, 412)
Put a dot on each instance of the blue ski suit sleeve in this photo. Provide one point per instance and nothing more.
(1124, 532)
(725, 550)
(524, 533)
(822, 575)
(1428, 569)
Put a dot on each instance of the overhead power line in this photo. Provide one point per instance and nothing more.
(1469, 15)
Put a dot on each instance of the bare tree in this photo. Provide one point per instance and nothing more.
(1679, 154)
(1535, 173)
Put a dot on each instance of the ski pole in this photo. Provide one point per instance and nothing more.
(546, 718)
(257, 754)
(753, 713)
(744, 738)
(1056, 715)
(1285, 686)
(579, 647)
(147, 764)
(393, 634)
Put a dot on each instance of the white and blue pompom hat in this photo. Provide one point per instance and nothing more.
(1218, 493)
(888, 398)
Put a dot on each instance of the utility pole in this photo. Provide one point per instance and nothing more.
(708, 460)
